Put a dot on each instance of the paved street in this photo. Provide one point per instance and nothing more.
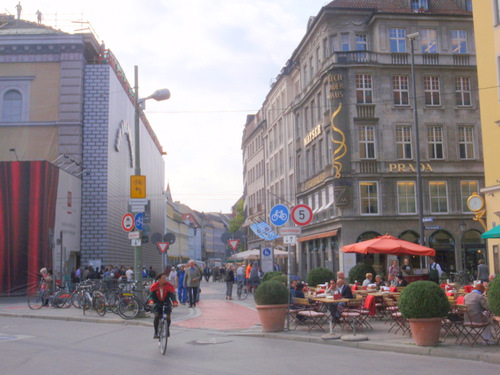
(218, 336)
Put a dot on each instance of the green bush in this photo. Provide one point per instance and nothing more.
(319, 275)
(271, 293)
(269, 275)
(281, 278)
(423, 299)
(494, 296)
(359, 271)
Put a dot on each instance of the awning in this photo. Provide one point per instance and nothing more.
(492, 233)
(332, 233)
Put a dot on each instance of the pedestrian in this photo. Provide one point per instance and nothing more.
(181, 289)
(482, 271)
(152, 273)
(19, 9)
(393, 272)
(172, 277)
(206, 272)
(229, 282)
(434, 270)
(129, 274)
(254, 275)
(192, 282)
(247, 273)
(38, 16)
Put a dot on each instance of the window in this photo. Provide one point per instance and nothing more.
(363, 88)
(344, 43)
(406, 197)
(361, 42)
(400, 90)
(397, 40)
(333, 44)
(313, 160)
(462, 91)
(431, 90)
(325, 49)
(419, 5)
(311, 68)
(368, 192)
(12, 106)
(428, 41)
(496, 4)
(366, 134)
(320, 154)
(403, 141)
(466, 142)
(438, 197)
(435, 141)
(466, 190)
(468, 5)
(458, 41)
(304, 73)
(318, 107)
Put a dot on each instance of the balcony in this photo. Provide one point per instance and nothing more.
(399, 58)
(430, 59)
(353, 57)
(368, 166)
(461, 60)
(365, 111)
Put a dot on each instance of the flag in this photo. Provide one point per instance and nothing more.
(264, 231)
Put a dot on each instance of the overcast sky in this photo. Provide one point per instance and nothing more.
(217, 57)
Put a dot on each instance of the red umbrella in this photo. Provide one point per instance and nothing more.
(388, 244)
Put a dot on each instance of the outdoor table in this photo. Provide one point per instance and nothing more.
(329, 301)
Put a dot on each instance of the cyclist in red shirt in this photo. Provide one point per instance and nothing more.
(162, 293)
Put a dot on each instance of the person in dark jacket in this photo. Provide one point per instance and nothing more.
(162, 294)
(229, 282)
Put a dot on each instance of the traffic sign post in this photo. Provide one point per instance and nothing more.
(289, 240)
(234, 244)
(139, 220)
(279, 215)
(302, 214)
(128, 222)
(137, 186)
(163, 246)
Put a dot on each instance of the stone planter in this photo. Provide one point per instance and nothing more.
(426, 331)
(272, 317)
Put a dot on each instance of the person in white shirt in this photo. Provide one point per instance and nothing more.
(130, 274)
(172, 277)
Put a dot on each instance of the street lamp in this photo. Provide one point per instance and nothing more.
(420, 203)
(158, 95)
(463, 228)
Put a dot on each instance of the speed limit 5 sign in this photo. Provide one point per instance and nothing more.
(302, 214)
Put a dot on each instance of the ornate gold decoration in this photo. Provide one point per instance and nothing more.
(341, 149)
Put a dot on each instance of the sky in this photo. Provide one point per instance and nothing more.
(217, 58)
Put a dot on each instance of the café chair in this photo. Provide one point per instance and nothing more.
(308, 313)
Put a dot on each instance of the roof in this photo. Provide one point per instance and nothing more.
(11, 26)
(436, 7)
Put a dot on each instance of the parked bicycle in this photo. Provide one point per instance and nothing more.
(462, 277)
(93, 300)
(129, 305)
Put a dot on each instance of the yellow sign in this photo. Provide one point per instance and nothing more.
(137, 186)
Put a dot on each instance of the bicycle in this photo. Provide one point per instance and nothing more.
(129, 305)
(462, 277)
(93, 299)
(241, 291)
(163, 330)
(39, 299)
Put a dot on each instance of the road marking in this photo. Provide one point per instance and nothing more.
(5, 337)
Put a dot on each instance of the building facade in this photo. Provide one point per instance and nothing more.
(487, 33)
(354, 130)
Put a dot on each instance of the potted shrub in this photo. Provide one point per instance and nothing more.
(319, 275)
(269, 275)
(359, 271)
(424, 304)
(271, 298)
(494, 298)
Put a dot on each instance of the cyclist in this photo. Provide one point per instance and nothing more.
(162, 293)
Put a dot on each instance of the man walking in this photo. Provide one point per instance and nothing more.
(192, 282)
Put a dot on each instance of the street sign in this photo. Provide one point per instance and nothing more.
(139, 202)
(137, 186)
(302, 214)
(289, 240)
(128, 222)
(279, 215)
(136, 242)
(286, 231)
(427, 220)
(432, 227)
(163, 246)
(233, 243)
(169, 237)
(139, 217)
(134, 235)
(137, 208)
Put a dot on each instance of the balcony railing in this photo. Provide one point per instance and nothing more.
(355, 57)
(365, 110)
(430, 59)
(461, 60)
(399, 58)
(368, 166)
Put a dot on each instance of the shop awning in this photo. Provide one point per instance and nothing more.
(492, 233)
(332, 233)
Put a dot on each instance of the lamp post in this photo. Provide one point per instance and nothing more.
(463, 228)
(158, 95)
(420, 203)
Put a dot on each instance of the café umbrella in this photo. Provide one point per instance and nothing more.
(388, 244)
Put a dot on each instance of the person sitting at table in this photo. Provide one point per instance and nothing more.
(379, 281)
(336, 308)
(406, 268)
(340, 275)
(293, 290)
(401, 280)
(478, 310)
(299, 291)
(368, 280)
(331, 288)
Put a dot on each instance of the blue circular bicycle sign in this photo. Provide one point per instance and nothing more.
(279, 215)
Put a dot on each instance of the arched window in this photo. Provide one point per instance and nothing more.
(410, 236)
(367, 236)
(12, 106)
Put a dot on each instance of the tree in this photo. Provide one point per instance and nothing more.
(235, 224)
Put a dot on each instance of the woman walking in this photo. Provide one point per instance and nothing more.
(229, 282)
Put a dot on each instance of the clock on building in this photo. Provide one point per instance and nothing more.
(475, 202)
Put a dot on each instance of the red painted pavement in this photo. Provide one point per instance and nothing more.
(221, 315)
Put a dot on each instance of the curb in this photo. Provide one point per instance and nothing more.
(74, 319)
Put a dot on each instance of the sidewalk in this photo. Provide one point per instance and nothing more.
(235, 317)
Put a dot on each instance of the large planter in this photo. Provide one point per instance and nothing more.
(425, 331)
(272, 317)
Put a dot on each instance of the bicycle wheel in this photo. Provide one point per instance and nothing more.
(244, 293)
(35, 301)
(61, 299)
(163, 336)
(86, 303)
(129, 307)
(100, 305)
(76, 299)
(113, 303)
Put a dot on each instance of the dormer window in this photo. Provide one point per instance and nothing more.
(419, 5)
